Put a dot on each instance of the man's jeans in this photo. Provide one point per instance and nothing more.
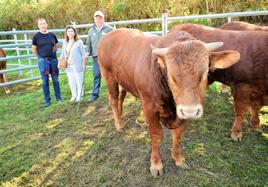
(49, 66)
(97, 78)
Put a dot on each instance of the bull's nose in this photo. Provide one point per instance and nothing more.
(189, 111)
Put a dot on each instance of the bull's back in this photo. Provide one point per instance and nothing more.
(239, 25)
(252, 45)
(125, 54)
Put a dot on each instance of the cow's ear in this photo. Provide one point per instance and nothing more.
(223, 59)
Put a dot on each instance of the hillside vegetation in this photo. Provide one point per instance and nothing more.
(22, 14)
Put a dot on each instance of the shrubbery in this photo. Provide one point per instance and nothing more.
(22, 14)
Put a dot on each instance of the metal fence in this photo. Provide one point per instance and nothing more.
(21, 42)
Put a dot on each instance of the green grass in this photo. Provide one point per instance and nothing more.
(60, 146)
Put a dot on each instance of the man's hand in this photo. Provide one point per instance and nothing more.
(86, 55)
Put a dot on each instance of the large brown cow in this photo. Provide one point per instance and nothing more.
(248, 78)
(3, 65)
(240, 25)
(169, 80)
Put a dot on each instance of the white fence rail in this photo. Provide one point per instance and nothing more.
(22, 41)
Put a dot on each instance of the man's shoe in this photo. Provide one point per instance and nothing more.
(60, 100)
(92, 99)
(46, 104)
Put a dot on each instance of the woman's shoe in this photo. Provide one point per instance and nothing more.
(72, 99)
(79, 99)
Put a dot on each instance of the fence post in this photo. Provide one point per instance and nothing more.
(164, 22)
(17, 49)
(28, 53)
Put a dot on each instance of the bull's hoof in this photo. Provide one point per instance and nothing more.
(183, 165)
(236, 136)
(157, 172)
(119, 129)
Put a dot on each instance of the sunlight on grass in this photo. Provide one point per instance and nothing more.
(16, 180)
(265, 135)
(88, 110)
(264, 116)
(43, 170)
(199, 149)
(84, 148)
(65, 145)
(54, 123)
(130, 100)
(132, 134)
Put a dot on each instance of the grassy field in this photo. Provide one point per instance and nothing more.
(60, 146)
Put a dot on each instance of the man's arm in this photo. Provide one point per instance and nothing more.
(34, 49)
(88, 45)
(57, 45)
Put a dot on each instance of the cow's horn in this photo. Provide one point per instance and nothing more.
(160, 51)
(214, 45)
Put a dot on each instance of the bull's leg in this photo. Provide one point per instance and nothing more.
(255, 121)
(1, 78)
(240, 110)
(122, 95)
(6, 87)
(177, 149)
(156, 134)
(113, 92)
(242, 105)
(117, 117)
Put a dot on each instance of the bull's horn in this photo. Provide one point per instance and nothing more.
(152, 46)
(160, 51)
(214, 45)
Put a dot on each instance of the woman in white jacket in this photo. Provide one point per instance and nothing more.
(73, 51)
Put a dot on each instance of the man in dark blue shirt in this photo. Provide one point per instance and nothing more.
(44, 45)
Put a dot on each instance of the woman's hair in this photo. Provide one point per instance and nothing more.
(75, 33)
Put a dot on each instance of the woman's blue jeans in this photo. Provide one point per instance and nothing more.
(49, 66)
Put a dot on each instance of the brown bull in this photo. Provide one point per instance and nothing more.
(237, 26)
(170, 81)
(248, 78)
(240, 25)
(3, 65)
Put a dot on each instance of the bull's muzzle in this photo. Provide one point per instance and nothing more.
(189, 111)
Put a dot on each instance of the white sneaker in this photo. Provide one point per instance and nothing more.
(72, 99)
(78, 99)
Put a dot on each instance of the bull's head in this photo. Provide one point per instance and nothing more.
(187, 65)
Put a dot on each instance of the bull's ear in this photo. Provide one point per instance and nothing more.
(223, 59)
